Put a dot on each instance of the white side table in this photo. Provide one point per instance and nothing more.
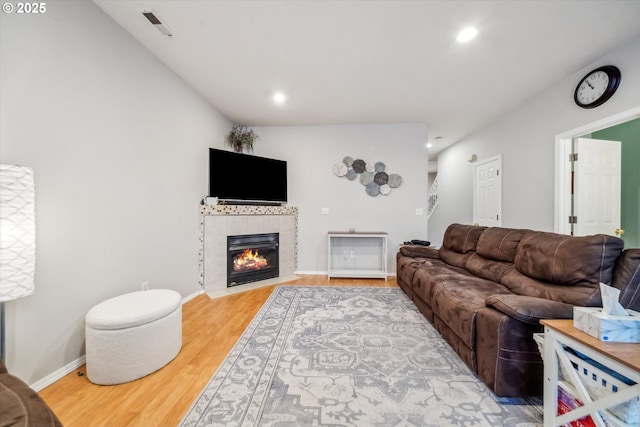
(357, 254)
(623, 358)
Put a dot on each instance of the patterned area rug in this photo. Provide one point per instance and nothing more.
(348, 356)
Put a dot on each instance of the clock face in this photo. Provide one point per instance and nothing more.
(597, 87)
(592, 88)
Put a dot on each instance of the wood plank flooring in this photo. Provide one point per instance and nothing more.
(210, 329)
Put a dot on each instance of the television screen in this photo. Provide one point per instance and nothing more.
(243, 177)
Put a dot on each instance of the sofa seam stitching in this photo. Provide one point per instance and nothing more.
(635, 292)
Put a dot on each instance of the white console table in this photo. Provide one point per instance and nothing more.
(623, 358)
(357, 254)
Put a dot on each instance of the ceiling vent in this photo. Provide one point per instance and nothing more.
(153, 18)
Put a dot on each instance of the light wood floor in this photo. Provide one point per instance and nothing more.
(210, 329)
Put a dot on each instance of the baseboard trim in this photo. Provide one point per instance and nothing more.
(70, 367)
(324, 273)
(55, 376)
(192, 296)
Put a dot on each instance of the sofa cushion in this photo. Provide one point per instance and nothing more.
(520, 284)
(457, 300)
(487, 269)
(407, 267)
(627, 278)
(462, 238)
(431, 274)
(415, 251)
(567, 260)
(454, 258)
(499, 244)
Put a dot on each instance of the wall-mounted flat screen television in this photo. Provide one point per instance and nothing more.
(236, 178)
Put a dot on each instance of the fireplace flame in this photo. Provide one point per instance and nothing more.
(249, 260)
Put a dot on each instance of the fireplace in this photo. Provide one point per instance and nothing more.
(252, 257)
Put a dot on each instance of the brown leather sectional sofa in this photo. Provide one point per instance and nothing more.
(486, 289)
(20, 405)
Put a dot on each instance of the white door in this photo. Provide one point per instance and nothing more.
(487, 192)
(596, 187)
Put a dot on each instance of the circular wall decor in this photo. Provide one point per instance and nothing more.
(597, 86)
(381, 178)
(359, 166)
(339, 169)
(395, 180)
(372, 175)
(366, 178)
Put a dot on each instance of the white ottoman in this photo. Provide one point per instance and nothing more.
(133, 335)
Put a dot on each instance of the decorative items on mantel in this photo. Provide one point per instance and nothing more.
(240, 137)
(372, 175)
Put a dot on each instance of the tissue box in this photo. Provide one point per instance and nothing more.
(607, 328)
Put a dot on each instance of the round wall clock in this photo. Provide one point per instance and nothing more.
(597, 86)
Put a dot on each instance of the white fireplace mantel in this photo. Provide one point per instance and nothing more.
(219, 221)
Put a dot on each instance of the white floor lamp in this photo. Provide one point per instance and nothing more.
(17, 238)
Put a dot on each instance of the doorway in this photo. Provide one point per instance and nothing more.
(487, 192)
(596, 187)
(563, 182)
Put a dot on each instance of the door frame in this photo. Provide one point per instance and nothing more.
(562, 188)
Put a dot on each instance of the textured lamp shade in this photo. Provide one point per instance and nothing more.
(17, 232)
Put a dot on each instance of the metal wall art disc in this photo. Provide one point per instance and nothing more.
(373, 189)
(372, 175)
(359, 166)
(395, 180)
(339, 169)
(381, 178)
(366, 178)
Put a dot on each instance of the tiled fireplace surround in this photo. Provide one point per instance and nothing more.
(219, 221)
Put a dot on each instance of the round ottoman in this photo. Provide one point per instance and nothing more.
(133, 335)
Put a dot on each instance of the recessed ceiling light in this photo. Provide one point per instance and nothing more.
(279, 98)
(466, 35)
(429, 145)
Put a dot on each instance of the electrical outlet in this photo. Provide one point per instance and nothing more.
(353, 254)
(145, 285)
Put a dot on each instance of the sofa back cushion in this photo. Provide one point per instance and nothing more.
(567, 260)
(521, 284)
(487, 268)
(626, 277)
(462, 238)
(499, 244)
(454, 258)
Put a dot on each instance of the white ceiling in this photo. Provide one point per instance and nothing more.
(365, 61)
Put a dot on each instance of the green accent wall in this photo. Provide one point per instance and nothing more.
(629, 134)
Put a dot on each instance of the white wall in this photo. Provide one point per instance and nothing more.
(525, 137)
(118, 144)
(311, 152)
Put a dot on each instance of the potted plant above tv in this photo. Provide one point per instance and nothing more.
(240, 138)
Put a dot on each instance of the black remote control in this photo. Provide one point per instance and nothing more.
(421, 242)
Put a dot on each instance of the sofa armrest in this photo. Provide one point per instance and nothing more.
(530, 309)
(415, 251)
